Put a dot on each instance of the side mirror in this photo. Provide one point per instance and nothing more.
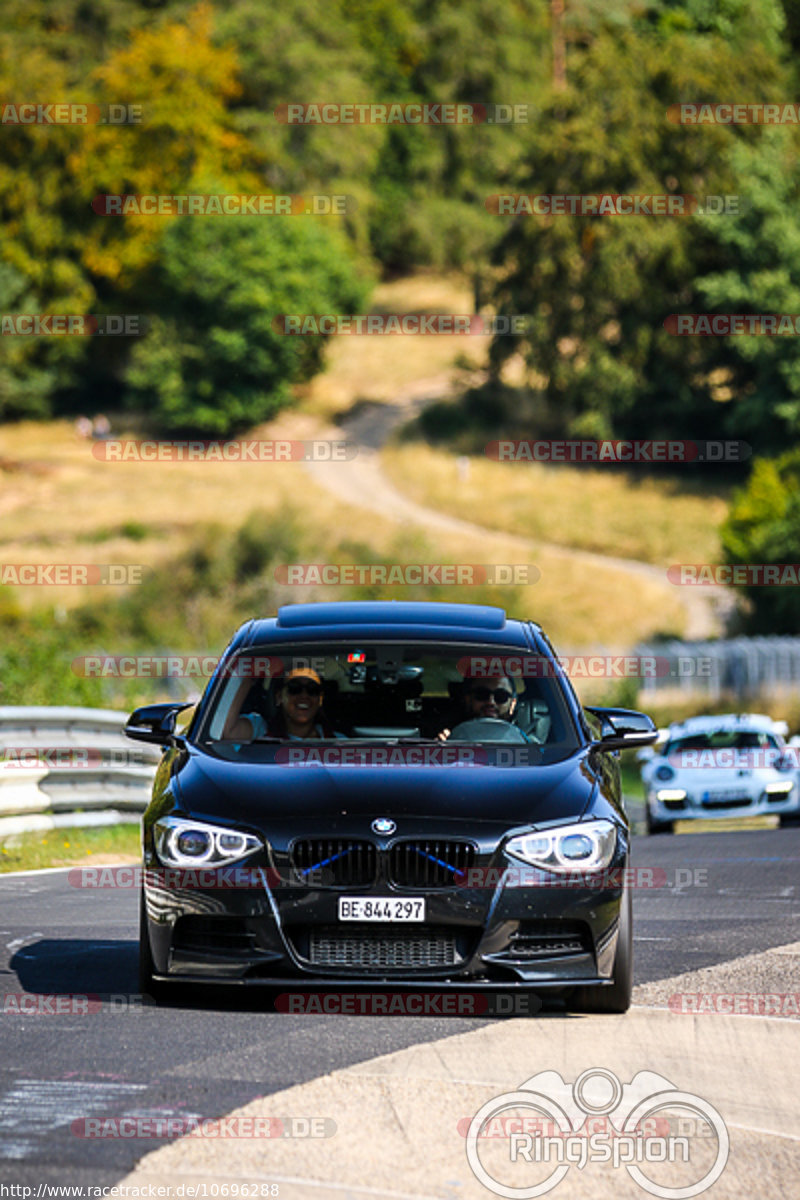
(623, 729)
(155, 723)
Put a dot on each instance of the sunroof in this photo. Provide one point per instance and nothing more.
(391, 612)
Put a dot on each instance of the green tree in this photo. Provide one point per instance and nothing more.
(759, 376)
(763, 526)
(598, 289)
(212, 360)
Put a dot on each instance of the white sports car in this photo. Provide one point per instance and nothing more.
(735, 764)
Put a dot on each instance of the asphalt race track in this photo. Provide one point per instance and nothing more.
(701, 900)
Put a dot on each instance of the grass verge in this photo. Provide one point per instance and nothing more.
(69, 847)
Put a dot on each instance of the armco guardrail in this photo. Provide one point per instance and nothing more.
(740, 667)
(69, 766)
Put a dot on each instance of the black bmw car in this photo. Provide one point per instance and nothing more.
(390, 795)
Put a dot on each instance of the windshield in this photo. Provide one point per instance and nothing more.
(722, 739)
(390, 693)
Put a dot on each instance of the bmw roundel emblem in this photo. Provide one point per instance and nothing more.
(383, 825)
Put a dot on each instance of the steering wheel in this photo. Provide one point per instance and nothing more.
(488, 729)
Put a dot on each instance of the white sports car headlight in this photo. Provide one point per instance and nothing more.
(584, 846)
(182, 842)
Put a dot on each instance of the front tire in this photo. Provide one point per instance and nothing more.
(614, 997)
(148, 986)
(657, 826)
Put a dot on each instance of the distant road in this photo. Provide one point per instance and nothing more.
(361, 481)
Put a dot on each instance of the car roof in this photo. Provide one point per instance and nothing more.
(421, 620)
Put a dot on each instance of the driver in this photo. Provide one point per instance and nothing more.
(493, 698)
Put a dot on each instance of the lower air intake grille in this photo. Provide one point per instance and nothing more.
(391, 950)
(213, 935)
(539, 939)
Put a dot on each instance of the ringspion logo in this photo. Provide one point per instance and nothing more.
(646, 1126)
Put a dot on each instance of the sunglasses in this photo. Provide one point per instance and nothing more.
(500, 695)
(296, 687)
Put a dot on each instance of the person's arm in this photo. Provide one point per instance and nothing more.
(242, 728)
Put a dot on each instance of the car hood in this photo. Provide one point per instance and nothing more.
(254, 794)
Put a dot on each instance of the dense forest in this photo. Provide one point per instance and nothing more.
(207, 88)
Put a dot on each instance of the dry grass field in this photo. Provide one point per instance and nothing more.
(652, 520)
(60, 503)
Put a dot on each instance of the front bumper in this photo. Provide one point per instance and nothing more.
(710, 804)
(546, 934)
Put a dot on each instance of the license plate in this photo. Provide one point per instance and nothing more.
(725, 797)
(379, 908)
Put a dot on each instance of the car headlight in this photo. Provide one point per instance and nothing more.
(779, 789)
(664, 773)
(585, 846)
(181, 842)
(671, 794)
